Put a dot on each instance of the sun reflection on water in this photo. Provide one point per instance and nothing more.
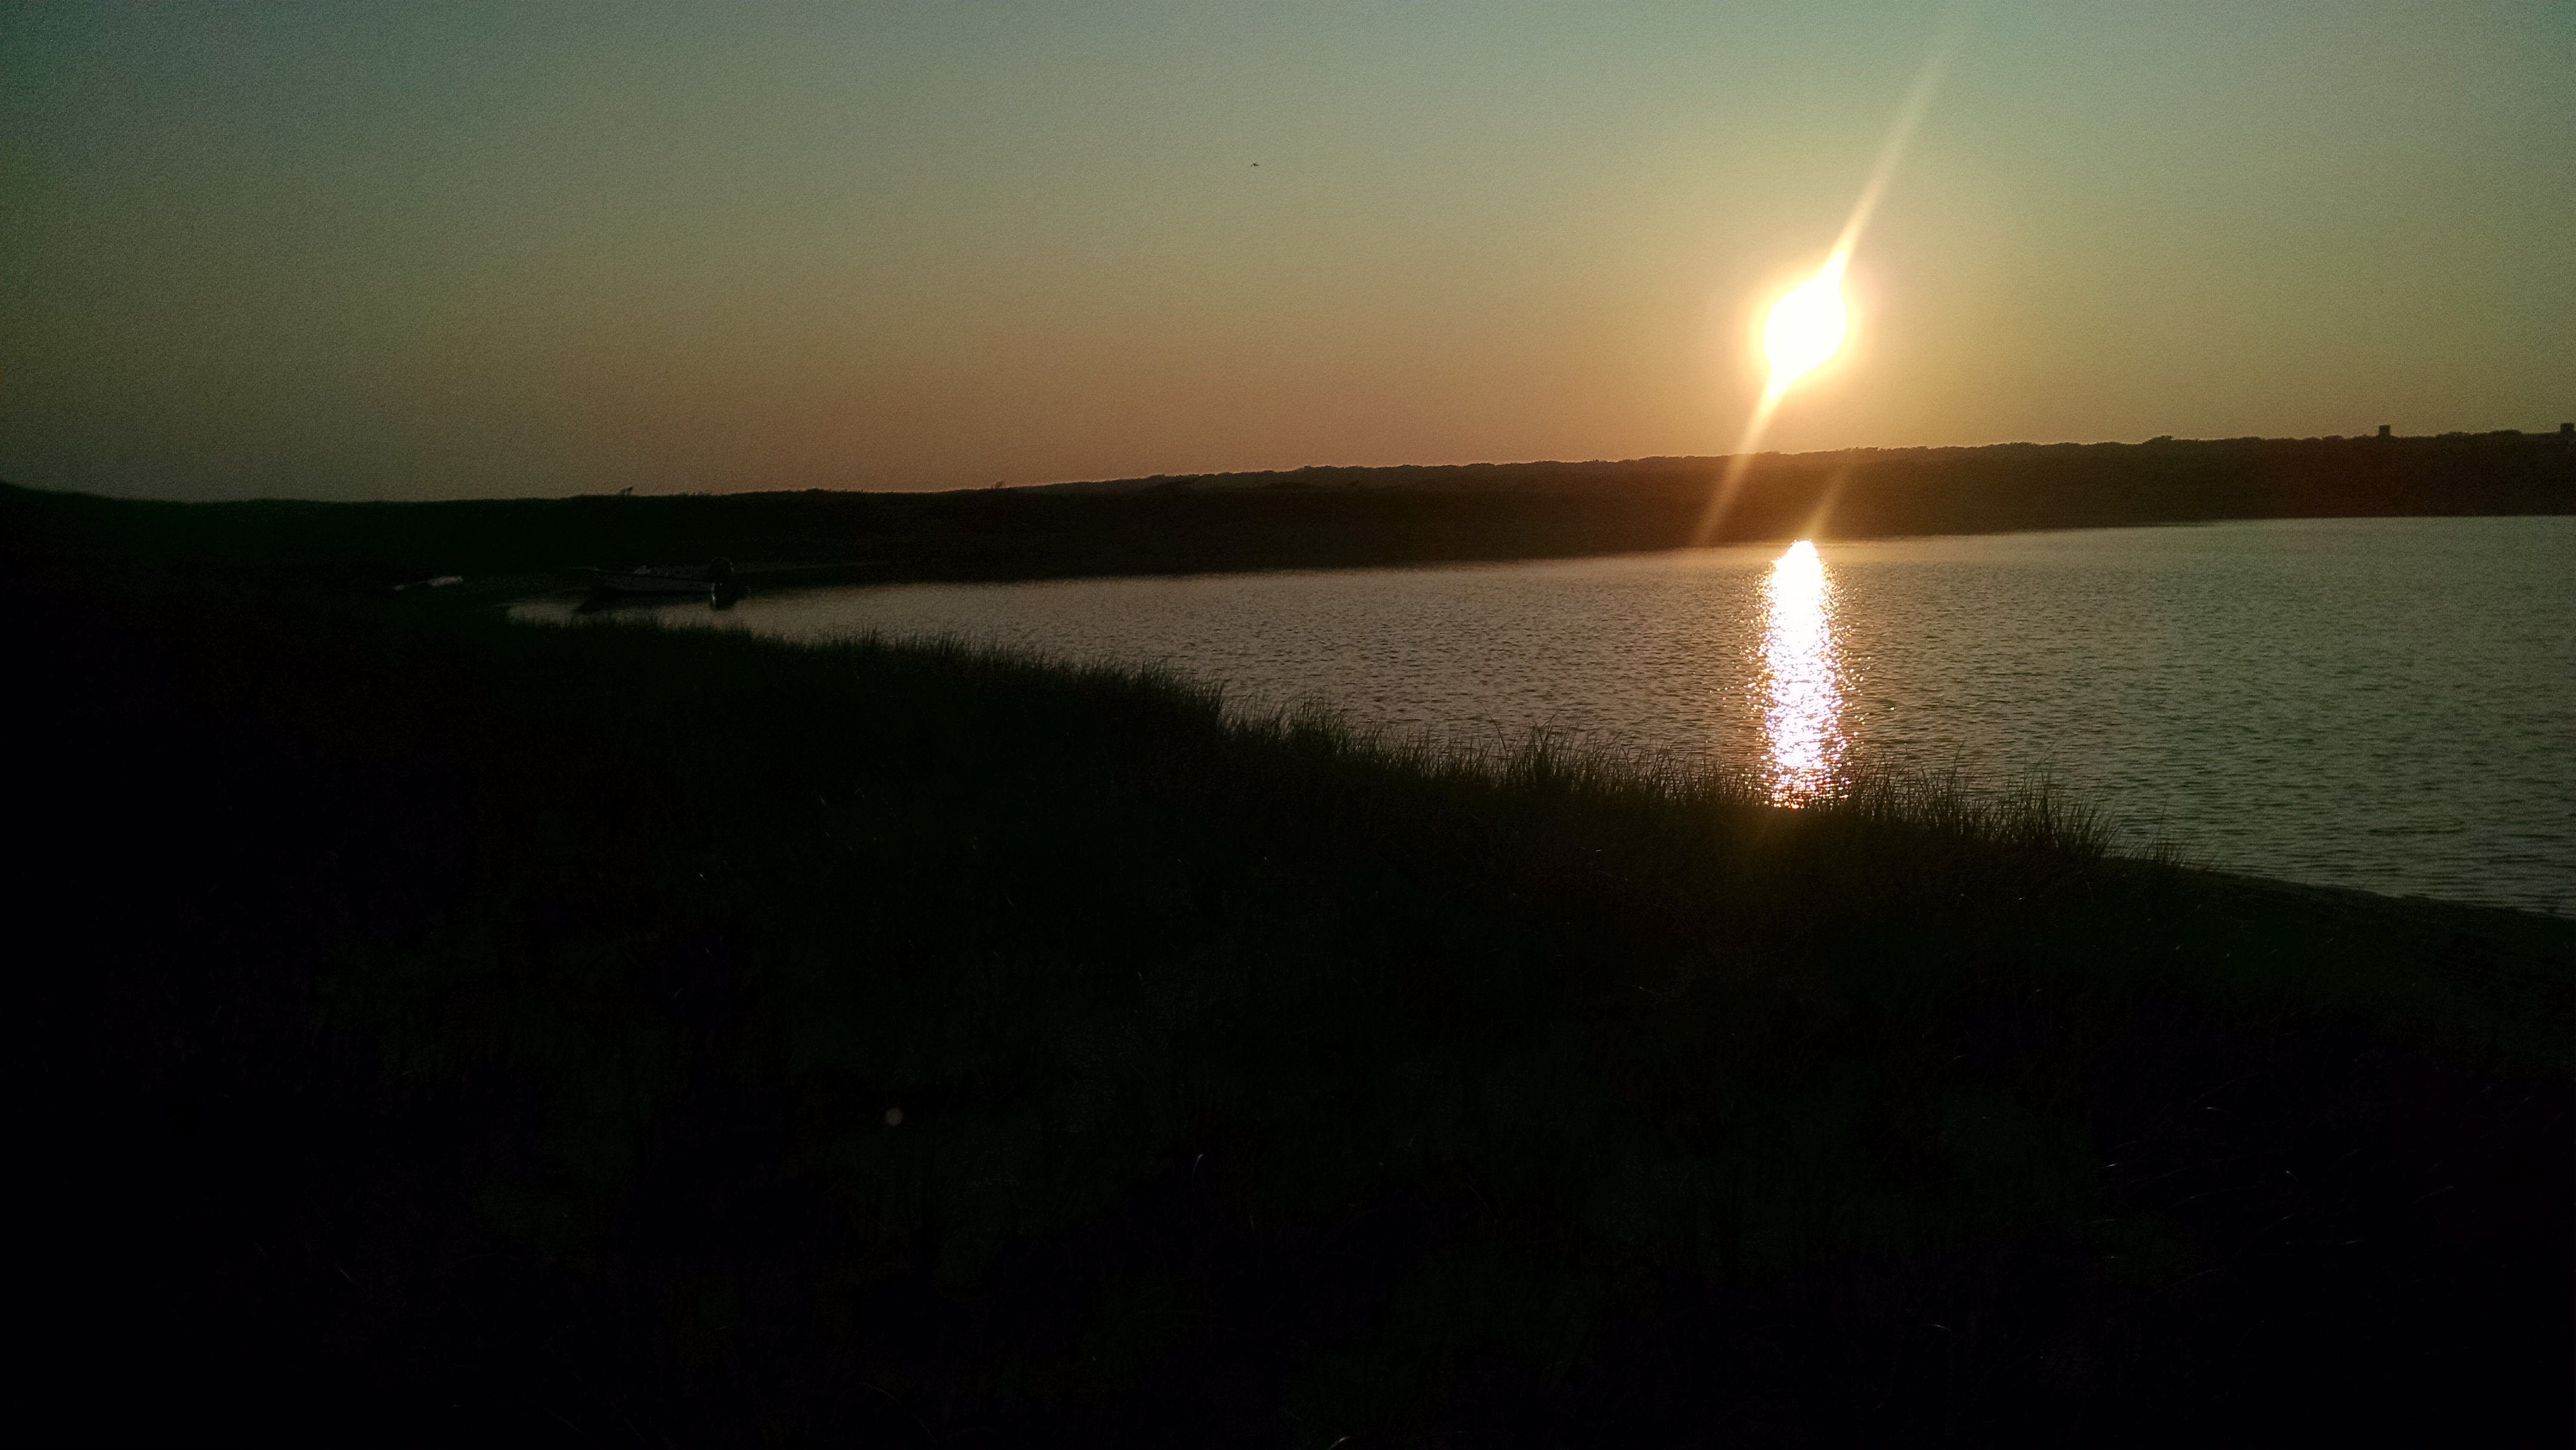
(1801, 683)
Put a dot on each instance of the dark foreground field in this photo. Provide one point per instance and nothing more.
(432, 1029)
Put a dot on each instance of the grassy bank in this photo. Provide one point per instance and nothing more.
(442, 1029)
(1324, 517)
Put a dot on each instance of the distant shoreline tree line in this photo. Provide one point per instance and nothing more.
(1334, 516)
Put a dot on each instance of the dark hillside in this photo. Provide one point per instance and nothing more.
(1331, 517)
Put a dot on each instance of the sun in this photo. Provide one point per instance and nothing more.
(1805, 326)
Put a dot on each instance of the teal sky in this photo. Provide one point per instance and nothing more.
(435, 251)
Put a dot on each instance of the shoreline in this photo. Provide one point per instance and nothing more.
(1367, 518)
(2488, 849)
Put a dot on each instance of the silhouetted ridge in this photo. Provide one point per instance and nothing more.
(1330, 517)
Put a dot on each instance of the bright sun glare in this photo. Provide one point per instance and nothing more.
(1805, 325)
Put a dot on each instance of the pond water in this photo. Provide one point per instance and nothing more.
(2387, 704)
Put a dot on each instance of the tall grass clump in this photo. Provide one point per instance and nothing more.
(455, 1028)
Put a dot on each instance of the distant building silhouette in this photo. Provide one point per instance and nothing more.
(2383, 430)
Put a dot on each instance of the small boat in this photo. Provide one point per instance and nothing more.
(661, 579)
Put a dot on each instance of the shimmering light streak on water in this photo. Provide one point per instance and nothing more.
(1801, 678)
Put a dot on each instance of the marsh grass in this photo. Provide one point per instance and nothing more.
(489, 1026)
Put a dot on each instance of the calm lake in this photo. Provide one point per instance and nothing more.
(2387, 704)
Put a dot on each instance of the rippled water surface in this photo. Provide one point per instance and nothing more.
(2381, 703)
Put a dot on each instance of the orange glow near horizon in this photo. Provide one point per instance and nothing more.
(1801, 679)
(1804, 328)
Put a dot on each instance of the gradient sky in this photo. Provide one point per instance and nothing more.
(432, 251)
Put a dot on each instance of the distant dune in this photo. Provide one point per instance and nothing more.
(1334, 517)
